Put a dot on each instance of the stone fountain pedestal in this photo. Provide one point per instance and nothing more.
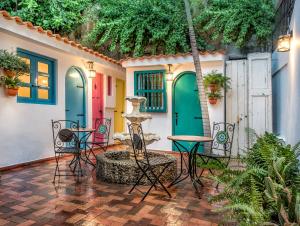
(120, 166)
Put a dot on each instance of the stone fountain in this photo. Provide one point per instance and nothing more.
(120, 166)
(137, 118)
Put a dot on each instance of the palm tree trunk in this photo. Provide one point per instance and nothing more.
(195, 53)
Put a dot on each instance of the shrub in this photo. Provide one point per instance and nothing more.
(267, 190)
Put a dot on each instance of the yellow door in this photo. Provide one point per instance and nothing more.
(119, 109)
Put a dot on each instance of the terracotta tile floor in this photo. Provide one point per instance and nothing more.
(28, 197)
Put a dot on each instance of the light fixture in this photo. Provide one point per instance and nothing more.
(170, 75)
(284, 42)
(91, 69)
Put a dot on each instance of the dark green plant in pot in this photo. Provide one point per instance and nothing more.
(267, 190)
(11, 64)
(213, 97)
(11, 82)
(215, 81)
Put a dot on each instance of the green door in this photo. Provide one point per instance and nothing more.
(186, 115)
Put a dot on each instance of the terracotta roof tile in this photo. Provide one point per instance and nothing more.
(58, 37)
(172, 55)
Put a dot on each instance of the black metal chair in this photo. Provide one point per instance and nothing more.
(219, 155)
(145, 162)
(66, 141)
(100, 136)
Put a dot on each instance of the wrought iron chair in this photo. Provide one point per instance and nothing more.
(66, 142)
(100, 136)
(219, 154)
(145, 162)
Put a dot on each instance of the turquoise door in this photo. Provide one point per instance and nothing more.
(75, 97)
(186, 115)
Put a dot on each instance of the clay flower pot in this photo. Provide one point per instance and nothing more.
(11, 91)
(9, 73)
(213, 87)
(212, 100)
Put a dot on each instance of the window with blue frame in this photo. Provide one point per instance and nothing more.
(38, 86)
(152, 85)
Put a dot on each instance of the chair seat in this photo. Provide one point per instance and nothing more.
(156, 161)
(69, 150)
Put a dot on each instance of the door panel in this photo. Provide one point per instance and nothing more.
(75, 97)
(187, 115)
(97, 98)
(119, 109)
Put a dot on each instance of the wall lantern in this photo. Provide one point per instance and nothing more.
(91, 69)
(284, 43)
(170, 75)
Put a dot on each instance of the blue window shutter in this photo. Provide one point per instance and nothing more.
(152, 85)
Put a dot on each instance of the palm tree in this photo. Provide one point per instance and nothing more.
(199, 76)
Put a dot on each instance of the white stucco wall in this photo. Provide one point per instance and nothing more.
(26, 133)
(161, 123)
(286, 85)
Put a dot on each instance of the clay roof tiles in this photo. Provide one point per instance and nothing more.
(58, 37)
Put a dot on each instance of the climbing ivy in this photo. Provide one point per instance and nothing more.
(142, 27)
(62, 16)
(237, 21)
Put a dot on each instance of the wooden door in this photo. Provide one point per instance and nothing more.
(120, 104)
(237, 104)
(260, 92)
(187, 115)
(75, 96)
(97, 97)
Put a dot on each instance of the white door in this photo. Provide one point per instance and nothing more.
(249, 101)
(237, 104)
(260, 92)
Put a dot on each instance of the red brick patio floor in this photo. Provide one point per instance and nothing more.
(28, 197)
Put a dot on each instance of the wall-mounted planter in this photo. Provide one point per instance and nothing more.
(11, 91)
(9, 73)
(212, 101)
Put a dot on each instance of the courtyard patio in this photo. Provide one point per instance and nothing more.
(28, 197)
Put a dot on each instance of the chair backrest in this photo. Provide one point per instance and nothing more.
(138, 141)
(102, 129)
(63, 136)
(222, 137)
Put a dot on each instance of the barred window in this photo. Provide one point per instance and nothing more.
(152, 85)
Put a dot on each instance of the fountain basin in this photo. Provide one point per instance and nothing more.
(118, 167)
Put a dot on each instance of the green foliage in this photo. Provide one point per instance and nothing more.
(214, 95)
(237, 21)
(267, 190)
(61, 16)
(145, 27)
(11, 62)
(217, 79)
(10, 82)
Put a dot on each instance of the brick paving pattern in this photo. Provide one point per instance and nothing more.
(28, 197)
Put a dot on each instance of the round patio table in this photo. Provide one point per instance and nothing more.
(190, 169)
(87, 132)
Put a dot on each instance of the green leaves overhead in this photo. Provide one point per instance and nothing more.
(238, 21)
(141, 27)
(61, 16)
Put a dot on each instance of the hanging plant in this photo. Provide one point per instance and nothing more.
(11, 84)
(213, 97)
(215, 81)
(11, 64)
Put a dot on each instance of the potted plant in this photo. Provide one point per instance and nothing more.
(11, 64)
(11, 85)
(213, 97)
(215, 81)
